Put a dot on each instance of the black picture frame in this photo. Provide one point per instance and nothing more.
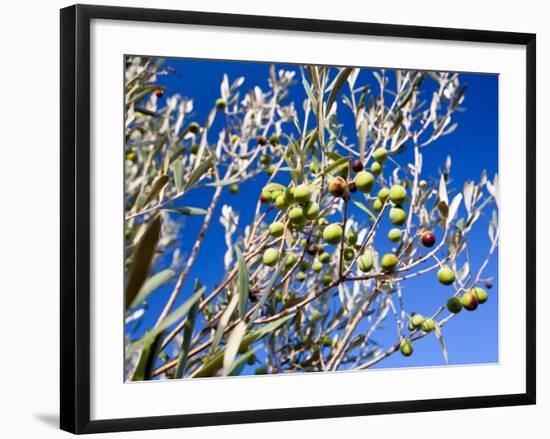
(75, 217)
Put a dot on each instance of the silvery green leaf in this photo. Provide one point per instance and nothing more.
(233, 344)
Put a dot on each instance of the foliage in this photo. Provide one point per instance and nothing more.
(305, 274)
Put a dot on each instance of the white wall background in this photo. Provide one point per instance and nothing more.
(29, 218)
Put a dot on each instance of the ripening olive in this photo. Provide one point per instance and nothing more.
(380, 155)
(364, 181)
(270, 257)
(221, 104)
(261, 140)
(389, 262)
(469, 301)
(422, 184)
(317, 266)
(300, 276)
(333, 233)
(296, 215)
(233, 189)
(395, 235)
(454, 305)
(446, 276)
(428, 325)
(352, 187)
(376, 168)
(480, 293)
(365, 262)
(398, 215)
(406, 348)
(265, 197)
(194, 127)
(337, 187)
(324, 257)
(357, 166)
(398, 194)
(428, 239)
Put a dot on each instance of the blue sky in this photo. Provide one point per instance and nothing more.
(472, 337)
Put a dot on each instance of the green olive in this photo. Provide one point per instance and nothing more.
(317, 266)
(380, 155)
(324, 257)
(233, 189)
(406, 348)
(364, 181)
(349, 254)
(302, 193)
(333, 233)
(296, 215)
(290, 260)
(270, 257)
(365, 262)
(312, 210)
(383, 194)
(377, 205)
(417, 320)
(388, 262)
(398, 215)
(446, 276)
(398, 194)
(281, 202)
(395, 235)
(376, 168)
(428, 325)
(351, 237)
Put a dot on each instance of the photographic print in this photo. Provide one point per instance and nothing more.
(286, 219)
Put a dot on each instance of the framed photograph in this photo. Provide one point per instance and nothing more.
(268, 218)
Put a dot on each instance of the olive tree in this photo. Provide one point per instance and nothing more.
(305, 286)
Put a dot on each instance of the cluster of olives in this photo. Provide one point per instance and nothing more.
(470, 300)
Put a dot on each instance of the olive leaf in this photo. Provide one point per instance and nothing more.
(142, 259)
(186, 210)
(233, 344)
(224, 320)
(439, 335)
(215, 363)
(243, 282)
(157, 186)
(151, 284)
(198, 172)
(187, 335)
